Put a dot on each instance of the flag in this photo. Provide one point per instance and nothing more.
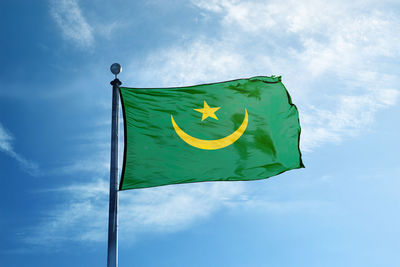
(245, 129)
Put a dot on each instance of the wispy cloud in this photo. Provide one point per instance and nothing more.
(352, 114)
(337, 58)
(82, 217)
(6, 140)
(163, 209)
(74, 26)
(202, 60)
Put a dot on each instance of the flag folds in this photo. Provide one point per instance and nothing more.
(245, 129)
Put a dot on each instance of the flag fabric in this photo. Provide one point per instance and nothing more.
(245, 129)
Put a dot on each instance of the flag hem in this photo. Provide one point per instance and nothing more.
(125, 138)
(298, 120)
(265, 79)
(241, 180)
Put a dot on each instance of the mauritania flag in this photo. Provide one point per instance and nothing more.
(246, 129)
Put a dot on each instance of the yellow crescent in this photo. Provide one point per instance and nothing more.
(212, 144)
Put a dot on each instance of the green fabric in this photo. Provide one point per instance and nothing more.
(156, 155)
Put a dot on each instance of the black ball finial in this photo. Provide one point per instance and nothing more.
(116, 69)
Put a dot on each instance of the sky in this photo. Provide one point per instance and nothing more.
(338, 59)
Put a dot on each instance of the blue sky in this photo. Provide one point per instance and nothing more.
(338, 59)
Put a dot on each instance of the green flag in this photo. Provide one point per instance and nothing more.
(246, 129)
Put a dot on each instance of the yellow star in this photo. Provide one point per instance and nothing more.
(207, 111)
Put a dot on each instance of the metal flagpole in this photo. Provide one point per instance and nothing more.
(112, 256)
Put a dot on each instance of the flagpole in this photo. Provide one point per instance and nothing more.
(112, 256)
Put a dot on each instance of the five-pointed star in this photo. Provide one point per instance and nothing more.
(207, 111)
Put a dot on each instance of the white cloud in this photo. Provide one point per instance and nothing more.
(165, 209)
(82, 217)
(198, 62)
(352, 114)
(170, 208)
(6, 140)
(338, 58)
(68, 16)
(276, 16)
(97, 165)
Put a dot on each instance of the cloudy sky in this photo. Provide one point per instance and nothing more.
(338, 59)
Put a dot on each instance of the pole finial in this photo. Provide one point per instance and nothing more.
(116, 69)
